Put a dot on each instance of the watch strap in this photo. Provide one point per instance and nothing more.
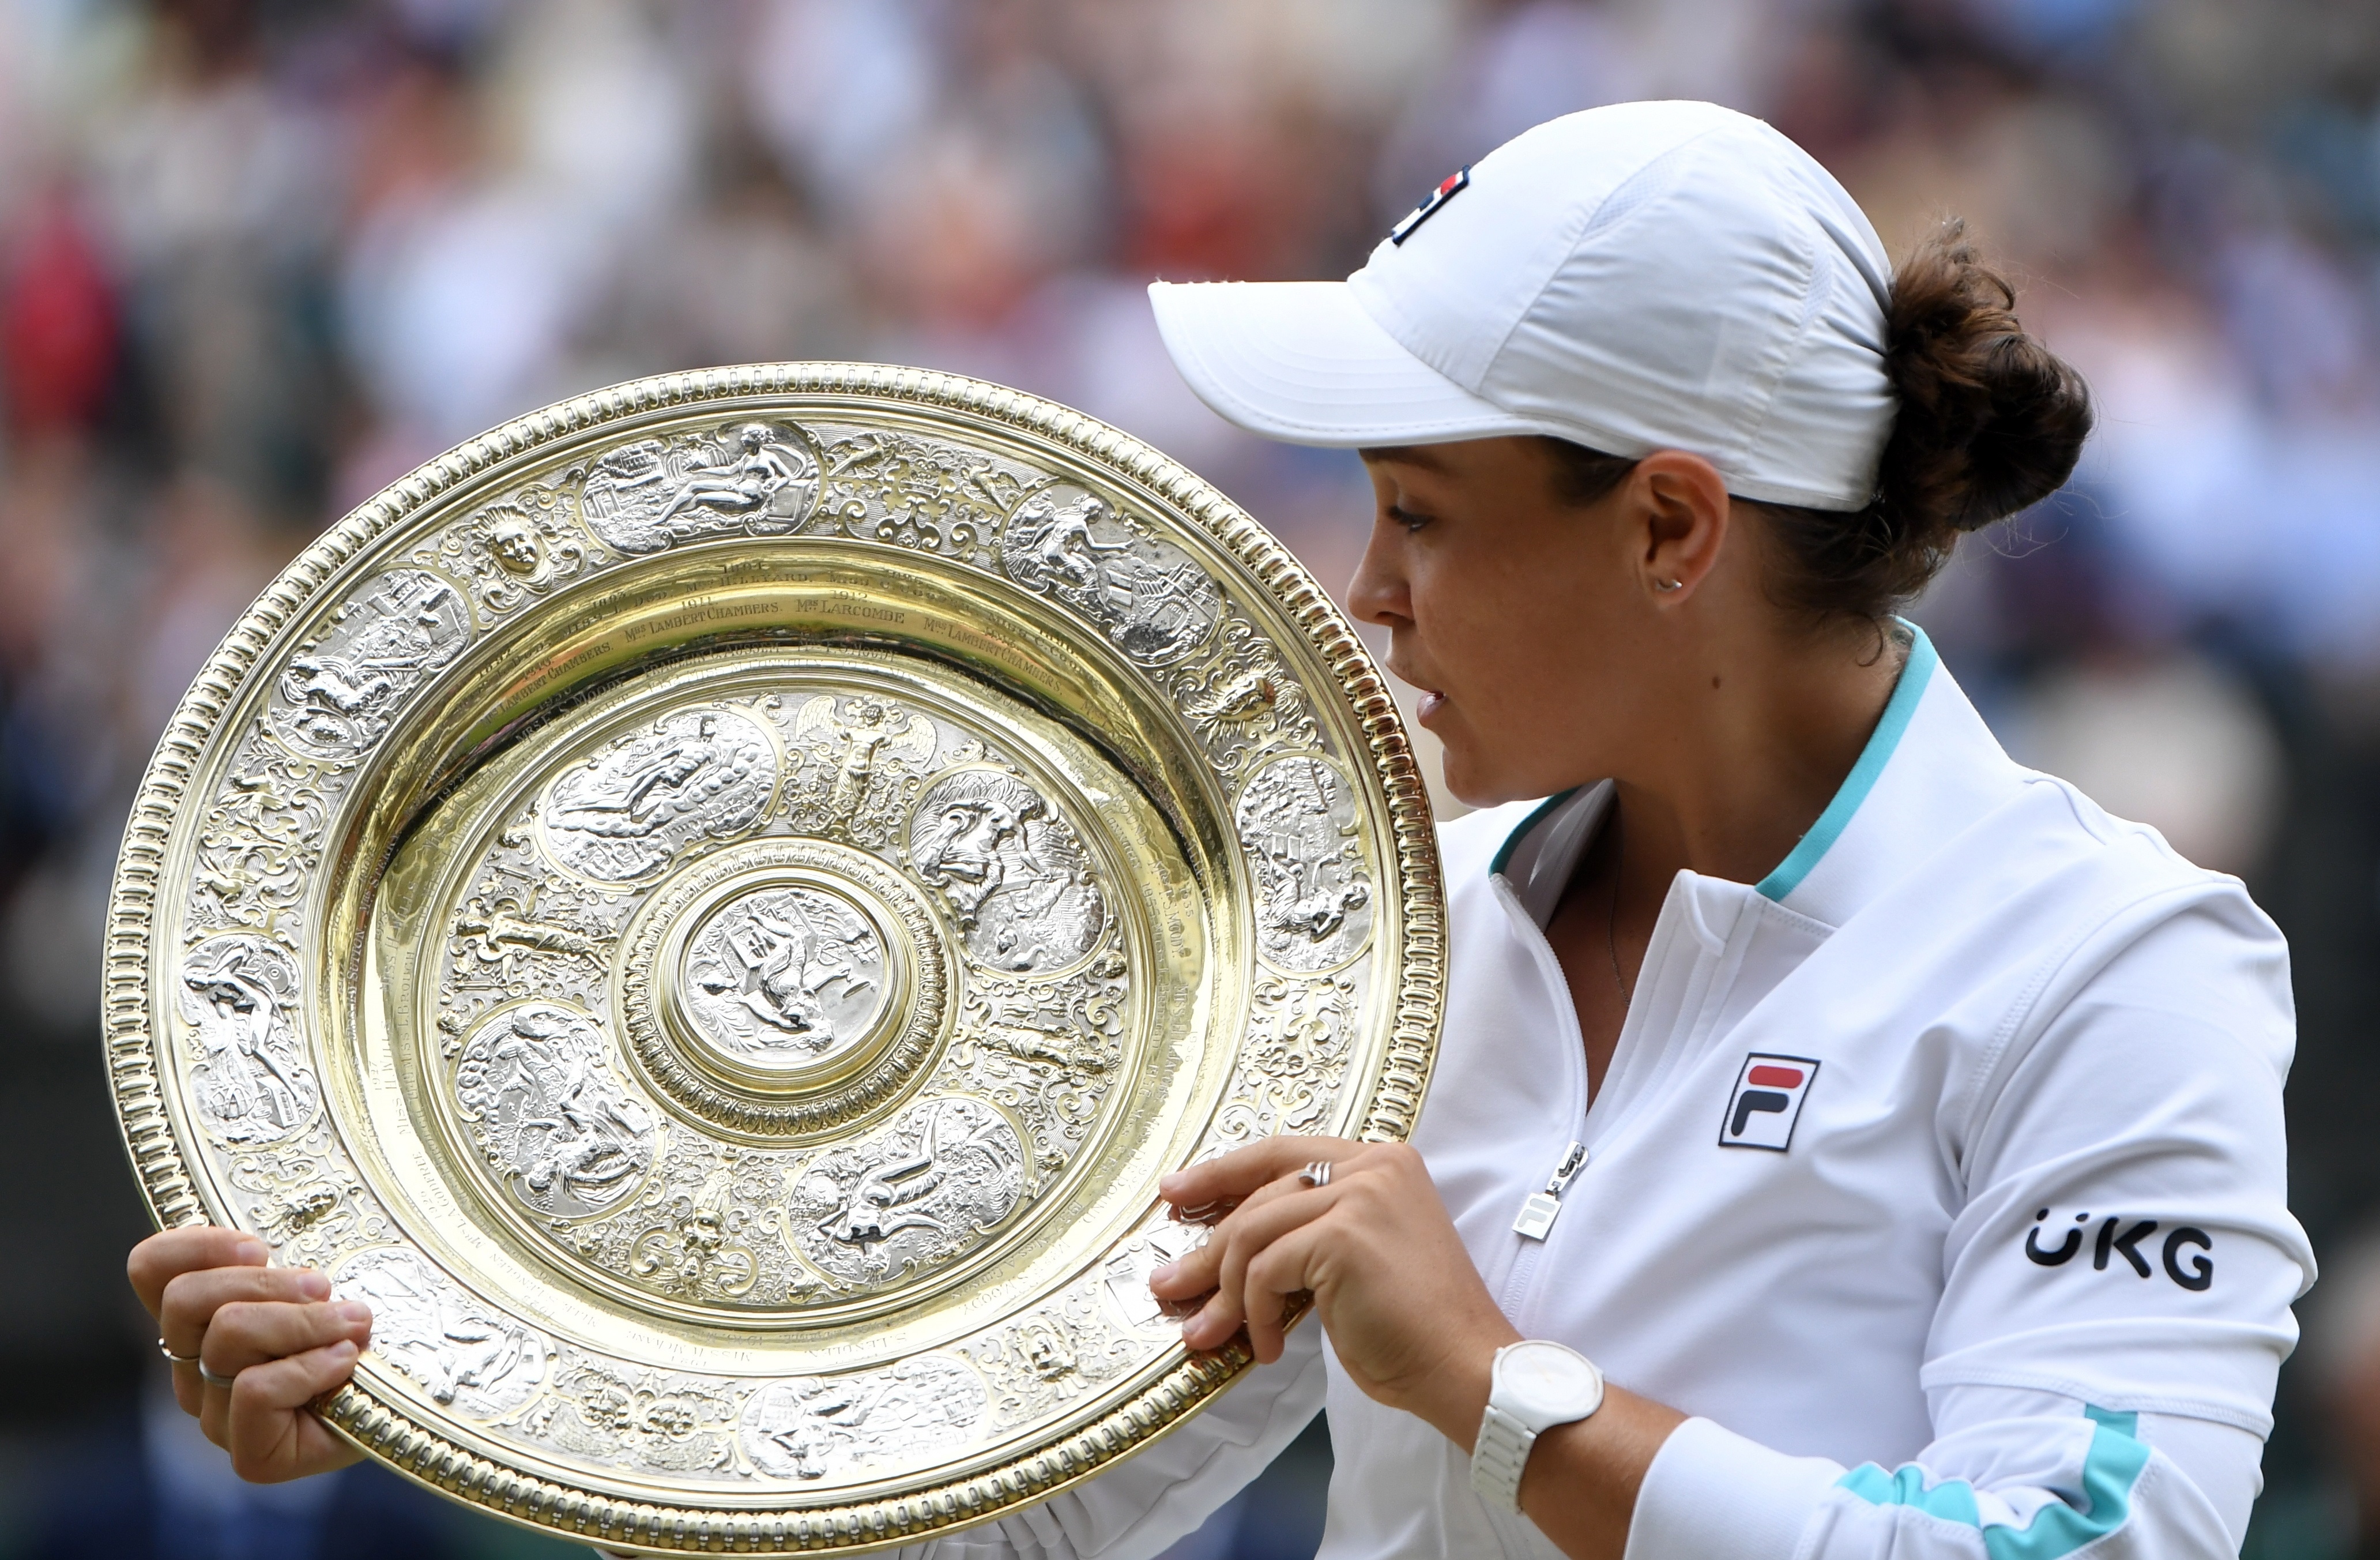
(1498, 1457)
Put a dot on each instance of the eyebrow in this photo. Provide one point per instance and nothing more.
(1409, 455)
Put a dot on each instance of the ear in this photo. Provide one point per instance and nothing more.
(1678, 506)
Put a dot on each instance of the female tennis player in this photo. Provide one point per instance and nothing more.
(1845, 1143)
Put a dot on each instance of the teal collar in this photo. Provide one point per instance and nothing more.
(1915, 673)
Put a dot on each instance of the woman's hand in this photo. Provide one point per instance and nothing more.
(1408, 1316)
(1406, 1309)
(274, 1332)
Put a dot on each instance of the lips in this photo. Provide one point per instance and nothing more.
(1428, 705)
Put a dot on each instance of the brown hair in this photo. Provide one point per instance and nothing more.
(1991, 421)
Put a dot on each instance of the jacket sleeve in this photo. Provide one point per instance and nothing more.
(1138, 1509)
(2115, 1296)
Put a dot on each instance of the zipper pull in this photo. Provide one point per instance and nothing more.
(1538, 1212)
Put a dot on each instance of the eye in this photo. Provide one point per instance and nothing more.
(1407, 518)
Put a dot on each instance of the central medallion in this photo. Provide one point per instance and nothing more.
(782, 979)
(783, 988)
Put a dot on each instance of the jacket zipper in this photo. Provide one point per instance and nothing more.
(1541, 1207)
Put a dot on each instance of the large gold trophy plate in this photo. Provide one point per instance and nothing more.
(712, 906)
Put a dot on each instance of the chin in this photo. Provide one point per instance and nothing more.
(1473, 784)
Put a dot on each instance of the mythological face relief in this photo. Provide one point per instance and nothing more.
(513, 543)
(785, 977)
(1010, 867)
(623, 814)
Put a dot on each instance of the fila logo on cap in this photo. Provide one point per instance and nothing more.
(1766, 1102)
(1447, 189)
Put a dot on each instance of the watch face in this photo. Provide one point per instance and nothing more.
(1545, 1383)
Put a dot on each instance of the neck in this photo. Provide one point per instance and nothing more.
(1752, 756)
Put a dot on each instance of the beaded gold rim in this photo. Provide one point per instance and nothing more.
(381, 1425)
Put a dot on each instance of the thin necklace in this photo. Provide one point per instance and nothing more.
(1611, 922)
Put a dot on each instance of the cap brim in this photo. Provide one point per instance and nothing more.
(1301, 362)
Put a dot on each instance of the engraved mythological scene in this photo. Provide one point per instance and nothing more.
(1314, 895)
(548, 1114)
(1155, 604)
(695, 774)
(460, 1353)
(1011, 868)
(250, 1074)
(746, 479)
(785, 977)
(337, 696)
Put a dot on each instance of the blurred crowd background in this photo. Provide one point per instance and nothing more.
(260, 257)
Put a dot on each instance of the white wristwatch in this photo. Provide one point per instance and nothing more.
(1537, 1385)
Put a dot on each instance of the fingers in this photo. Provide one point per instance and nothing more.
(1197, 1271)
(247, 1334)
(1237, 1175)
(1236, 1243)
(269, 1436)
(165, 1256)
(191, 1300)
(1281, 1270)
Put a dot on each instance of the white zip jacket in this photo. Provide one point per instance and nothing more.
(1940, 1176)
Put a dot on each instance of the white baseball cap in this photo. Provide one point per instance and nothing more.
(1650, 276)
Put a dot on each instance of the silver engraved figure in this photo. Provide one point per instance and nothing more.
(1155, 604)
(810, 1427)
(460, 1353)
(784, 975)
(750, 478)
(914, 1195)
(1314, 901)
(866, 757)
(548, 1113)
(338, 696)
(1010, 866)
(249, 1072)
(621, 816)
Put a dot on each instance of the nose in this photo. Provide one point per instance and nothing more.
(1378, 594)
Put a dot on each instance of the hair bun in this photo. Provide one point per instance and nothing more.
(1991, 420)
